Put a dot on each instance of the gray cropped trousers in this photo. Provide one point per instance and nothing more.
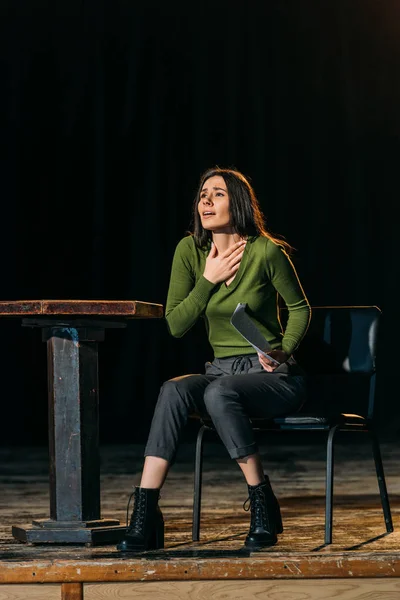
(229, 391)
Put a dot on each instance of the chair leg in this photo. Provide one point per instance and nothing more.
(381, 481)
(198, 467)
(329, 485)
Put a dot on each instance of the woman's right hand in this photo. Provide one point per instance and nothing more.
(220, 267)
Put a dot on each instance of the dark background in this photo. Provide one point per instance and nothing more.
(110, 111)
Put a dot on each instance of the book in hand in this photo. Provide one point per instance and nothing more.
(245, 326)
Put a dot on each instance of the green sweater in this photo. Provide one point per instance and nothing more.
(264, 272)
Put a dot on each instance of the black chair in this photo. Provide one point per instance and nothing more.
(339, 355)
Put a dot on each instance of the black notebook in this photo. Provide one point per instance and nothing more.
(245, 326)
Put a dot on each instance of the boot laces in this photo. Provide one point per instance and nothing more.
(257, 504)
(135, 523)
(136, 514)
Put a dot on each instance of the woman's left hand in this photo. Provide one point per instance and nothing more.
(268, 365)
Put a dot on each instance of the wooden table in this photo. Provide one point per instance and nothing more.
(72, 330)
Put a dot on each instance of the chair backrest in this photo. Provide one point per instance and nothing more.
(342, 340)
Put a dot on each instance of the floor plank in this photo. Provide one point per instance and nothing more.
(48, 591)
(297, 472)
(244, 590)
(328, 589)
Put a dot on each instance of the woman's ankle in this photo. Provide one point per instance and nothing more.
(154, 473)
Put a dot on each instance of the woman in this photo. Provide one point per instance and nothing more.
(229, 258)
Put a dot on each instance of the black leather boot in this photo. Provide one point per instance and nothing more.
(266, 520)
(146, 527)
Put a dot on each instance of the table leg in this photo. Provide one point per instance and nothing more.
(72, 355)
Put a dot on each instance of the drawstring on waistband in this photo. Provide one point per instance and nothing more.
(241, 364)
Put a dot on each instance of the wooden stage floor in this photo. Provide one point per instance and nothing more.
(362, 554)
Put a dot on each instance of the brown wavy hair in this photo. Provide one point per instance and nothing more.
(247, 218)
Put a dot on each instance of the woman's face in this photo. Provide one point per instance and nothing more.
(213, 206)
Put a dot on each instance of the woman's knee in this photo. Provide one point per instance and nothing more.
(169, 391)
(218, 395)
(174, 391)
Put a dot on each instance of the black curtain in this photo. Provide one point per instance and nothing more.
(110, 111)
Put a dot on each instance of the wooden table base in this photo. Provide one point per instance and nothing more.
(72, 330)
(72, 360)
(105, 533)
